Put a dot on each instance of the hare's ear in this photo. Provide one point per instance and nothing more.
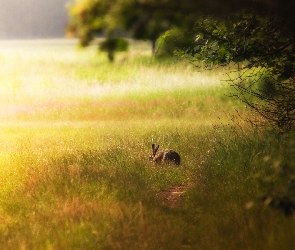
(153, 148)
(156, 149)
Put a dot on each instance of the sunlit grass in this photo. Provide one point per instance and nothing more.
(75, 137)
(89, 176)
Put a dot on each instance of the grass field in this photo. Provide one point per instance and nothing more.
(75, 136)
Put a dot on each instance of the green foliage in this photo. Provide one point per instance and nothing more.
(90, 17)
(114, 44)
(145, 20)
(172, 40)
(256, 41)
(261, 49)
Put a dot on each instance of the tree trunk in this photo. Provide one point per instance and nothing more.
(154, 43)
(111, 55)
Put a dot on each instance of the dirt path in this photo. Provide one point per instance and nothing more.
(172, 196)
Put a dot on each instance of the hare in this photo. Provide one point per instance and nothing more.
(166, 156)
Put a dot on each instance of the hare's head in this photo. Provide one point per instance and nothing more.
(155, 149)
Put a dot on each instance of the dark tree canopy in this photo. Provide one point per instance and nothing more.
(148, 19)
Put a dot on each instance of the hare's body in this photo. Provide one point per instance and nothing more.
(166, 156)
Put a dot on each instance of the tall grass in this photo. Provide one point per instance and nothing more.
(75, 138)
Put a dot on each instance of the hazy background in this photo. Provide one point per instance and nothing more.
(26, 19)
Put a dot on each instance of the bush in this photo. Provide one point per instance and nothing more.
(112, 45)
(172, 40)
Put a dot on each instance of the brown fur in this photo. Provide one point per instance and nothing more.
(166, 156)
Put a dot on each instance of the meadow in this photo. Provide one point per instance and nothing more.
(75, 137)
